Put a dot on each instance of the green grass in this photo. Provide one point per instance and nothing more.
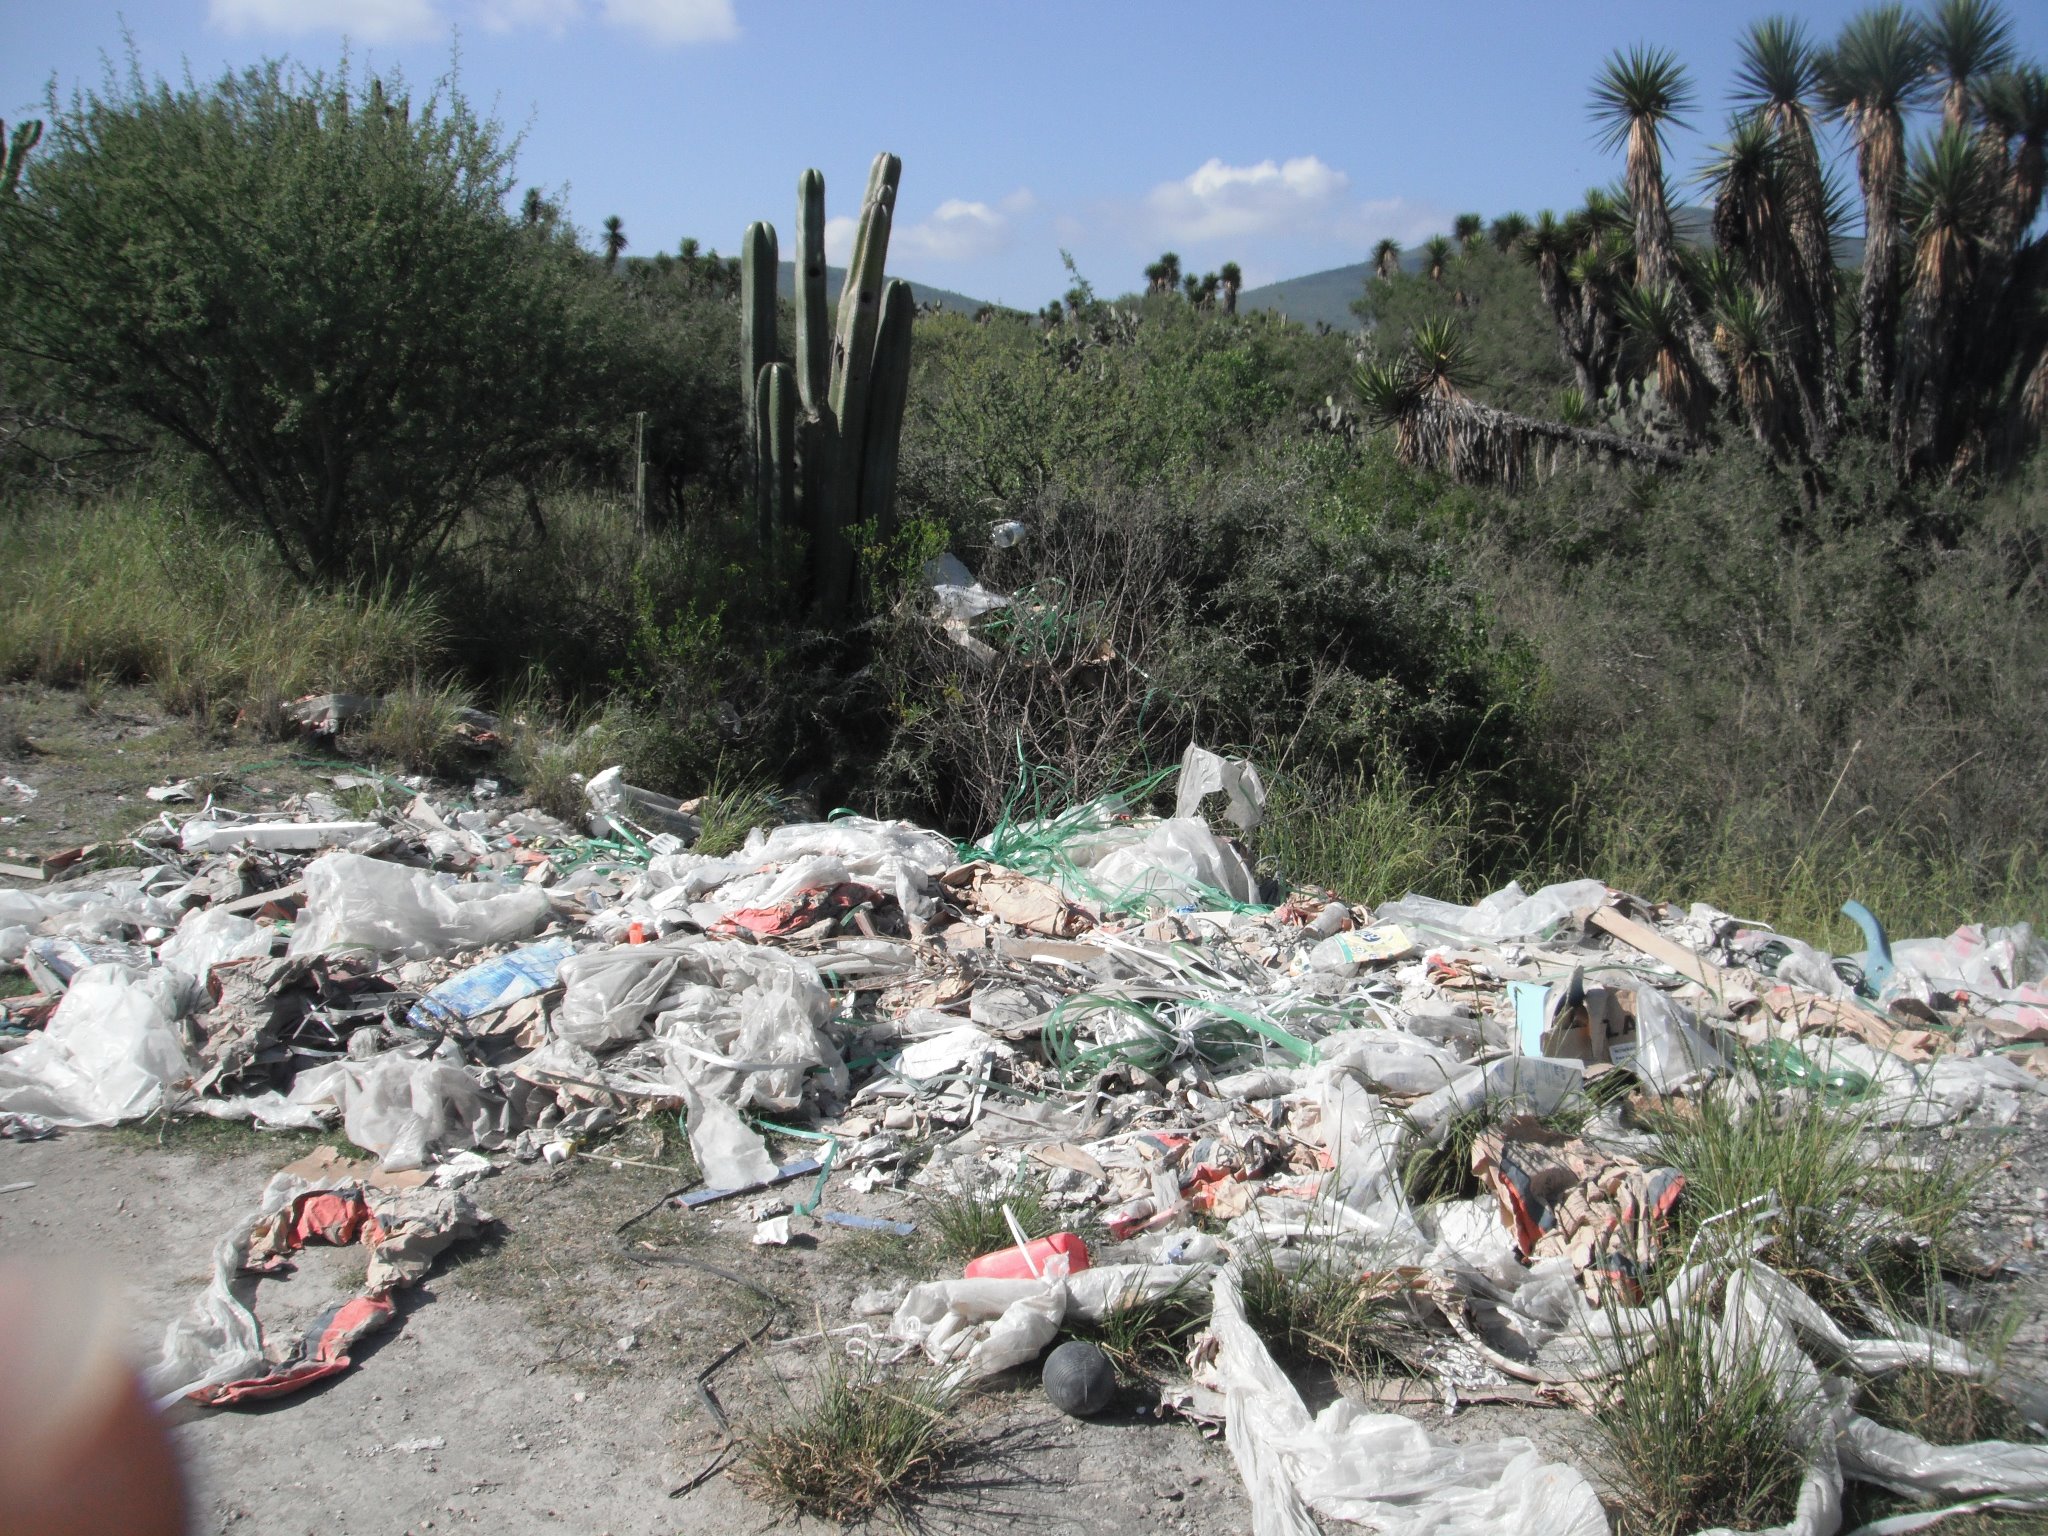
(1841, 1211)
(225, 1138)
(1143, 1336)
(15, 984)
(1694, 1438)
(970, 1223)
(1444, 1171)
(130, 591)
(863, 1443)
(1325, 1303)
(414, 725)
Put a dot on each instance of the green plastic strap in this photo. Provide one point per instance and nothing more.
(805, 1207)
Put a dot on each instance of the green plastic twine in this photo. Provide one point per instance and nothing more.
(805, 1207)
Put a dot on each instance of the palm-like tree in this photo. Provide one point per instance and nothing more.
(1466, 229)
(1386, 258)
(1949, 204)
(1169, 271)
(1967, 40)
(1436, 258)
(614, 240)
(1506, 230)
(1638, 96)
(1155, 276)
(1778, 80)
(1870, 79)
(1658, 319)
(1746, 331)
(2014, 109)
(1230, 277)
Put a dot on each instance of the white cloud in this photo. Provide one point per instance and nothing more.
(676, 21)
(370, 21)
(957, 231)
(516, 15)
(839, 239)
(1224, 201)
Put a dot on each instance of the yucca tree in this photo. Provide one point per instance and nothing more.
(1778, 81)
(614, 240)
(1658, 320)
(1155, 276)
(1746, 330)
(1386, 258)
(1230, 278)
(1436, 258)
(1640, 94)
(1467, 229)
(1436, 426)
(1870, 79)
(1967, 41)
(2013, 107)
(1169, 272)
(1506, 230)
(1949, 204)
(1550, 246)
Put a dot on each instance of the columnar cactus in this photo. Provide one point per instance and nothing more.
(824, 431)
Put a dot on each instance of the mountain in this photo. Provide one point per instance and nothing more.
(1327, 296)
(835, 279)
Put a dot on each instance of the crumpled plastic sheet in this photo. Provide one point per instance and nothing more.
(983, 1327)
(1379, 1470)
(775, 866)
(221, 1342)
(727, 1025)
(1203, 773)
(1166, 864)
(1510, 913)
(400, 1107)
(356, 902)
(2004, 969)
(111, 1051)
(210, 936)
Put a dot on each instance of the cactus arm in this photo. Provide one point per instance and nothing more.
(757, 323)
(775, 452)
(813, 315)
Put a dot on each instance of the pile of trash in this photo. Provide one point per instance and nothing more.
(1116, 1002)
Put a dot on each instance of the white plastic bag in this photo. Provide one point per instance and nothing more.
(111, 1052)
(1509, 913)
(353, 902)
(211, 936)
(1178, 862)
(400, 1107)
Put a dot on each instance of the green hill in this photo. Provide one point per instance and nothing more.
(925, 293)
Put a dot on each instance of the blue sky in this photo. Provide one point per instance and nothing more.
(1285, 137)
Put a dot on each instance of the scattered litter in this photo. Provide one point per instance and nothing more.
(23, 793)
(1118, 1005)
(179, 793)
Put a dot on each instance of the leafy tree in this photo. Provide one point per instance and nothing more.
(614, 240)
(312, 287)
(1231, 278)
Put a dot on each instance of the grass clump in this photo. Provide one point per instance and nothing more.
(1700, 1435)
(969, 1223)
(415, 725)
(863, 1443)
(1941, 1408)
(1444, 1171)
(1323, 1303)
(1142, 1335)
(1842, 1210)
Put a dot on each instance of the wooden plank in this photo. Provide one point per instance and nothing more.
(23, 871)
(1655, 945)
(264, 898)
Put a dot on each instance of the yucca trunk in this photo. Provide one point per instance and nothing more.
(1880, 164)
(1646, 198)
(1814, 362)
(1480, 444)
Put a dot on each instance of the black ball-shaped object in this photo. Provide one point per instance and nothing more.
(1079, 1379)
